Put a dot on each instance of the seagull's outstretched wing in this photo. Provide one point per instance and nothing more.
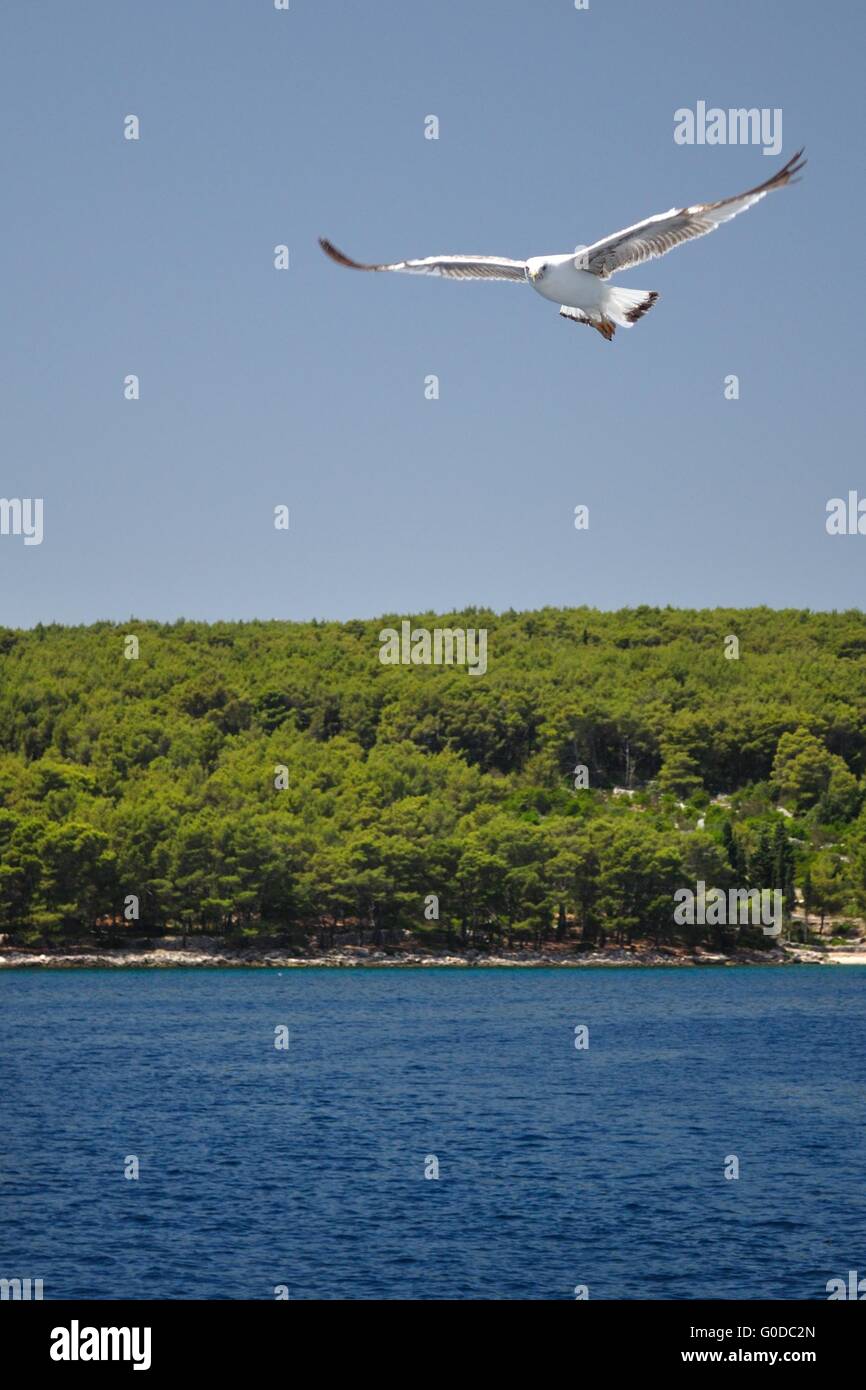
(453, 267)
(657, 235)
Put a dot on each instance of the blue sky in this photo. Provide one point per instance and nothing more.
(306, 387)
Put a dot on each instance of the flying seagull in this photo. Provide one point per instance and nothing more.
(577, 280)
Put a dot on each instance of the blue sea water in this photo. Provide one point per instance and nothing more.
(558, 1167)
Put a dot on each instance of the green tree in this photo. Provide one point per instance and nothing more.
(679, 774)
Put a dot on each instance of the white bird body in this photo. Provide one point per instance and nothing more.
(559, 279)
(578, 280)
(584, 297)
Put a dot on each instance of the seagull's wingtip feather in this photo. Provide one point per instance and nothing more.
(340, 257)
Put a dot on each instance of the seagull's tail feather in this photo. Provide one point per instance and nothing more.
(625, 307)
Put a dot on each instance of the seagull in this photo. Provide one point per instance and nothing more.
(577, 281)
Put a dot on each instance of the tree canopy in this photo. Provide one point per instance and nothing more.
(276, 776)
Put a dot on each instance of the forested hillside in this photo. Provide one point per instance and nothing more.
(272, 776)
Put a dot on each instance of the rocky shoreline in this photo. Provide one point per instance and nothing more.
(215, 956)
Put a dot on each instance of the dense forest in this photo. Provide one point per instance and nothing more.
(275, 778)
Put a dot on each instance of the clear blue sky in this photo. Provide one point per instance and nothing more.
(307, 387)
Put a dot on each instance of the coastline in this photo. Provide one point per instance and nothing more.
(363, 957)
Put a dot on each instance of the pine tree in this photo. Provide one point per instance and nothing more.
(733, 851)
(762, 862)
(783, 866)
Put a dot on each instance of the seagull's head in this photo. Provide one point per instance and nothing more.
(536, 268)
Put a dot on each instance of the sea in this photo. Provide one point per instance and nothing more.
(478, 1133)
